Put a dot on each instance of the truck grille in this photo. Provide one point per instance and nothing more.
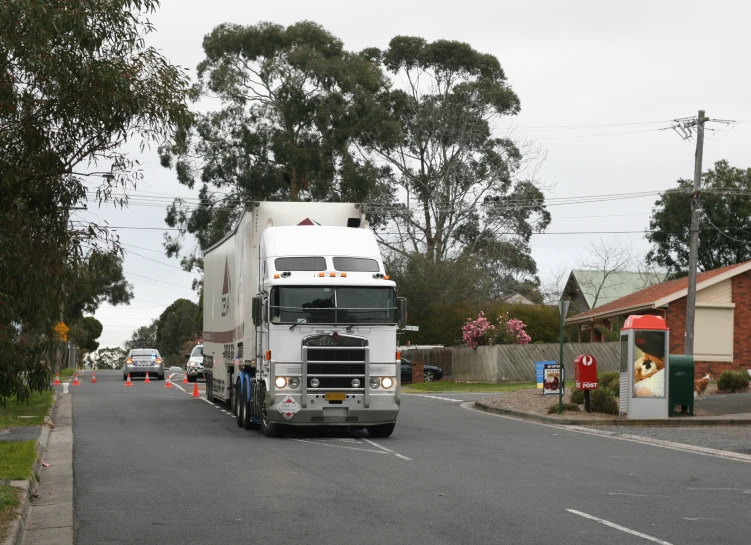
(335, 362)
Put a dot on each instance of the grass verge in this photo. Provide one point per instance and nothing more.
(9, 499)
(37, 408)
(450, 386)
(16, 459)
(67, 373)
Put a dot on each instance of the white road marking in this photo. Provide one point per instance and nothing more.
(209, 402)
(727, 455)
(626, 494)
(698, 518)
(178, 386)
(341, 446)
(736, 489)
(437, 397)
(619, 527)
(66, 385)
(387, 450)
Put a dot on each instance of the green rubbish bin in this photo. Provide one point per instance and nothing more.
(681, 385)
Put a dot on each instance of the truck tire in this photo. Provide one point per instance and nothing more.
(269, 428)
(381, 430)
(248, 424)
(209, 389)
(239, 404)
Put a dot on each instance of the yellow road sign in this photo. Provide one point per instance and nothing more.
(61, 328)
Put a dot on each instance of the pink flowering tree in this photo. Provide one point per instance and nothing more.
(478, 332)
(511, 331)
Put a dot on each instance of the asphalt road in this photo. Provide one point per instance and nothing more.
(157, 466)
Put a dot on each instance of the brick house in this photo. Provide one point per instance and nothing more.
(722, 331)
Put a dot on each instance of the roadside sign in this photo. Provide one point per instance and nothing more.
(288, 407)
(553, 377)
(411, 328)
(539, 371)
(62, 330)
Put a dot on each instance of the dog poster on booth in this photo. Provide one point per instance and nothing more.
(649, 364)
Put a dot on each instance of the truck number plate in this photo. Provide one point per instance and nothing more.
(335, 396)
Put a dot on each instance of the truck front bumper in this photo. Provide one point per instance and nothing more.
(349, 412)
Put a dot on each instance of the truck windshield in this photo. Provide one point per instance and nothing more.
(330, 305)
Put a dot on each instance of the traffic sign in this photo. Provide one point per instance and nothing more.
(62, 330)
(412, 328)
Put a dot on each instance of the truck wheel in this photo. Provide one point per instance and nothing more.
(209, 389)
(248, 424)
(381, 430)
(239, 405)
(269, 428)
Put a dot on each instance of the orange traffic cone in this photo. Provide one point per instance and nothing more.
(195, 390)
(75, 380)
(168, 383)
(148, 380)
(128, 382)
(185, 378)
(57, 380)
(93, 378)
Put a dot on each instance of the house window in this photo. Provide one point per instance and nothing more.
(713, 333)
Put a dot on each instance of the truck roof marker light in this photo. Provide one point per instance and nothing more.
(344, 275)
(276, 275)
(387, 277)
(332, 274)
(268, 355)
(321, 275)
(398, 355)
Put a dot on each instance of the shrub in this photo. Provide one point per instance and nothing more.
(610, 381)
(577, 396)
(573, 407)
(733, 381)
(477, 332)
(603, 401)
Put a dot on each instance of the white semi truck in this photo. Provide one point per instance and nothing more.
(300, 321)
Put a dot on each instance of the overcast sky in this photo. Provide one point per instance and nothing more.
(617, 71)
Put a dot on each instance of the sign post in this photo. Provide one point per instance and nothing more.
(563, 310)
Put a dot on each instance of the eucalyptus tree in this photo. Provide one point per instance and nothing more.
(282, 106)
(77, 81)
(462, 187)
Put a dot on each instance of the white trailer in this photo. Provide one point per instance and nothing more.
(300, 320)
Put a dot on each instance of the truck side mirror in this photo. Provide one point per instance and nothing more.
(401, 306)
(257, 310)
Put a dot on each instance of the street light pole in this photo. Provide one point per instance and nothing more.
(563, 310)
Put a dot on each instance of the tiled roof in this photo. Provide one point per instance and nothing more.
(650, 295)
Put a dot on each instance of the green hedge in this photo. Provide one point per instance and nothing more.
(733, 381)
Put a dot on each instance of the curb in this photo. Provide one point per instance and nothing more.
(18, 526)
(667, 423)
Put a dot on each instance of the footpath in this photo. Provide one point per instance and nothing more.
(45, 512)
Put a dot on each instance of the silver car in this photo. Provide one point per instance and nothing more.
(195, 363)
(144, 360)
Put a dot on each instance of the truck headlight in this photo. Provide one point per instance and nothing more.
(374, 382)
(314, 383)
(294, 382)
(355, 382)
(387, 382)
(280, 382)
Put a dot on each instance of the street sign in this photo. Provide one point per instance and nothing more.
(62, 330)
(411, 328)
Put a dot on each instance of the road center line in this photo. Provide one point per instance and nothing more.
(619, 527)
(626, 494)
(387, 450)
(340, 446)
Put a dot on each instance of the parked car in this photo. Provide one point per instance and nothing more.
(431, 372)
(195, 363)
(143, 360)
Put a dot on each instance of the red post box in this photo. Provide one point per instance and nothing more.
(585, 372)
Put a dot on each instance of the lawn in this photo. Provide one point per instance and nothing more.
(450, 386)
(8, 502)
(16, 459)
(67, 373)
(37, 407)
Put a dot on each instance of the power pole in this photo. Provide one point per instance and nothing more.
(693, 255)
